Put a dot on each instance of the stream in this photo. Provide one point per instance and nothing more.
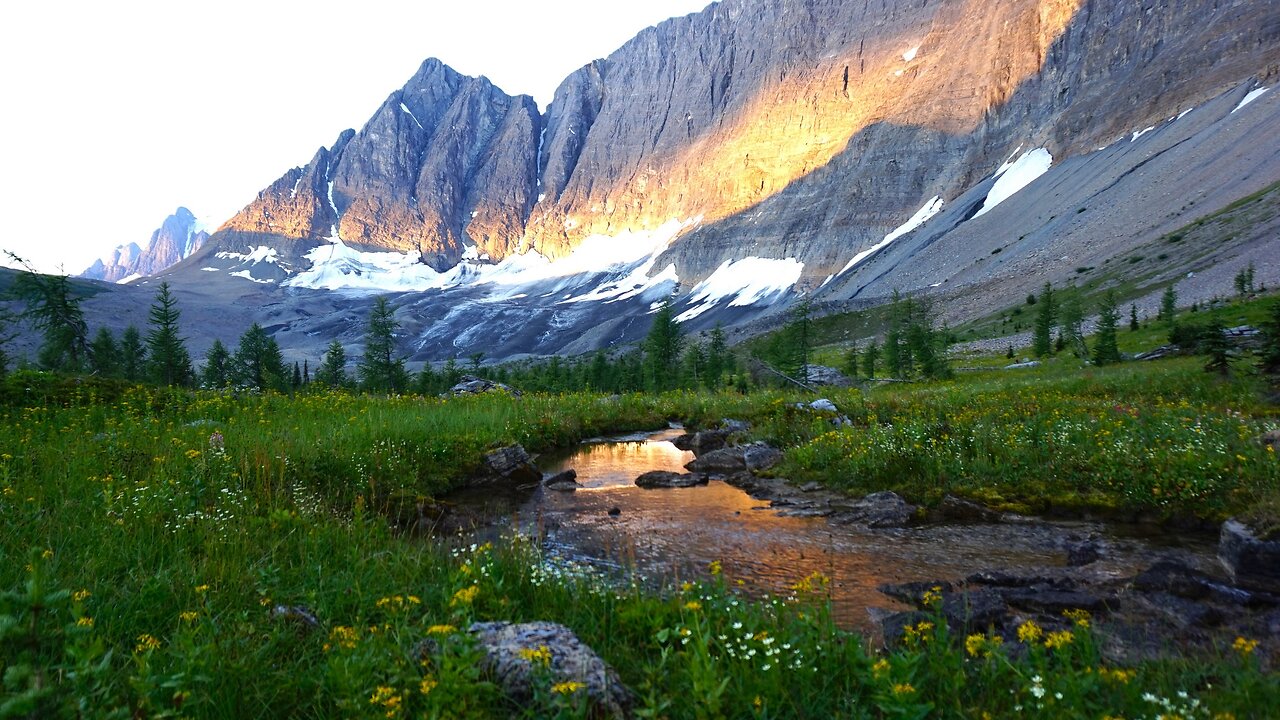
(670, 535)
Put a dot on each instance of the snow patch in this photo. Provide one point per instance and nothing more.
(245, 274)
(1139, 133)
(262, 253)
(409, 112)
(749, 281)
(129, 278)
(209, 269)
(910, 55)
(294, 192)
(1020, 174)
(931, 208)
(1008, 163)
(1253, 95)
(332, 205)
(1184, 113)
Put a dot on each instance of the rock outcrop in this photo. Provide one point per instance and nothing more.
(177, 238)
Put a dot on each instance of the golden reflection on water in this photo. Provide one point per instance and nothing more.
(608, 464)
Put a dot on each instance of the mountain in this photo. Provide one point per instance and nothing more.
(760, 150)
(175, 240)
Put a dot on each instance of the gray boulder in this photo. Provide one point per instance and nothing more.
(879, 510)
(511, 464)
(478, 386)
(823, 375)
(565, 481)
(665, 479)
(760, 456)
(1252, 561)
(507, 647)
(724, 461)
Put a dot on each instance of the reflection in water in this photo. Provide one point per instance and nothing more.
(674, 534)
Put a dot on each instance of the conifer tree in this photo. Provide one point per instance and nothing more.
(1168, 306)
(718, 358)
(333, 368)
(851, 358)
(380, 370)
(296, 381)
(133, 354)
(1072, 331)
(104, 354)
(1046, 318)
(428, 382)
(258, 362)
(1133, 318)
(217, 366)
(870, 358)
(168, 361)
(53, 308)
(662, 348)
(1106, 350)
(1214, 343)
(1269, 359)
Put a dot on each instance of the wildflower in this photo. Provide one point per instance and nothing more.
(1029, 632)
(46, 554)
(146, 642)
(342, 636)
(903, 689)
(1058, 639)
(193, 454)
(715, 567)
(188, 616)
(85, 622)
(880, 668)
(465, 596)
(427, 685)
(441, 630)
(388, 699)
(1244, 646)
(567, 687)
(202, 589)
(1079, 617)
(81, 595)
(216, 442)
(693, 605)
(540, 655)
(758, 703)
(974, 644)
(932, 596)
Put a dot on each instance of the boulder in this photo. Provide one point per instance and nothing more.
(1253, 562)
(823, 375)
(511, 464)
(1174, 578)
(1054, 602)
(724, 461)
(665, 479)
(471, 385)
(1083, 552)
(565, 481)
(1270, 439)
(823, 405)
(956, 509)
(884, 509)
(760, 456)
(559, 656)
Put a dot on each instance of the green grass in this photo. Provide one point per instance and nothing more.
(149, 533)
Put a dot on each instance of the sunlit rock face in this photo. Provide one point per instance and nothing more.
(176, 239)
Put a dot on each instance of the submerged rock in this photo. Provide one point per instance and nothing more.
(564, 481)
(884, 509)
(519, 656)
(665, 479)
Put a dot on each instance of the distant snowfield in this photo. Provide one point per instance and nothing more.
(748, 281)
(262, 253)
(931, 208)
(630, 256)
(1013, 178)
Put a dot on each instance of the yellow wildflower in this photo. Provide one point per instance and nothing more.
(567, 687)
(1058, 639)
(46, 554)
(441, 630)
(193, 454)
(85, 621)
(146, 642)
(758, 703)
(81, 595)
(427, 685)
(932, 596)
(465, 596)
(202, 589)
(974, 644)
(1079, 617)
(1244, 646)
(344, 637)
(715, 567)
(188, 616)
(540, 655)
(880, 668)
(903, 689)
(693, 605)
(1029, 632)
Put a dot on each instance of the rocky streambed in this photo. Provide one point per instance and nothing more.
(668, 504)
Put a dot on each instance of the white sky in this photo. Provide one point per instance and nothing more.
(115, 113)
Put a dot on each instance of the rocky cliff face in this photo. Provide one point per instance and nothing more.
(176, 239)
(789, 137)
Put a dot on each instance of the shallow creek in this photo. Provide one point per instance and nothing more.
(670, 535)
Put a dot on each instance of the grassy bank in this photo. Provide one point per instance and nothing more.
(149, 535)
